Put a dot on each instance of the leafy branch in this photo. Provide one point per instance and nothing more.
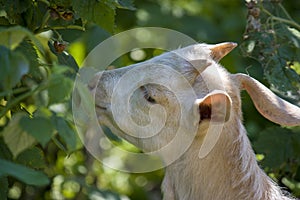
(288, 21)
(37, 74)
(18, 99)
(275, 46)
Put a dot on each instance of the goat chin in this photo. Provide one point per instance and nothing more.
(226, 171)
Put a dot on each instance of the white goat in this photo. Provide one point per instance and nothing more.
(229, 170)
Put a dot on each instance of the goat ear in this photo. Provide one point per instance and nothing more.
(215, 107)
(268, 104)
(218, 51)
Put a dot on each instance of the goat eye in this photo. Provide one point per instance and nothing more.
(150, 99)
(147, 96)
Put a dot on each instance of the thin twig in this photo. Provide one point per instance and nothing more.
(285, 12)
(286, 21)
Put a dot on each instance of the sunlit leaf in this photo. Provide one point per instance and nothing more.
(15, 137)
(22, 173)
(12, 37)
(100, 194)
(295, 32)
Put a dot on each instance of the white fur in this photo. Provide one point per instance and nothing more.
(230, 170)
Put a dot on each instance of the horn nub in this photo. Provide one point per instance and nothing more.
(218, 51)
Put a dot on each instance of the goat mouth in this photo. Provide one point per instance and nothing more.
(101, 107)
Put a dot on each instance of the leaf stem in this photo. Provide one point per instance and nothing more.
(75, 27)
(59, 36)
(283, 20)
(59, 144)
(15, 101)
(285, 12)
(15, 91)
(46, 18)
(286, 21)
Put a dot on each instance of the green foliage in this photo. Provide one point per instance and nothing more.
(25, 174)
(66, 132)
(36, 82)
(280, 146)
(14, 66)
(273, 38)
(33, 157)
(41, 156)
(98, 12)
(40, 128)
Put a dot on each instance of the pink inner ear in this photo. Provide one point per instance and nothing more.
(215, 107)
(205, 111)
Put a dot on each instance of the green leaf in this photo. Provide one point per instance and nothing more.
(66, 132)
(12, 37)
(276, 144)
(277, 46)
(14, 9)
(125, 4)
(33, 157)
(13, 66)
(27, 49)
(83, 98)
(297, 175)
(82, 104)
(64, 59)
(4, 21)
(283, 79)
(40, 128)
(96, 11)
(15, 137)
(3, 188)
(60, 88)
(22, 173)
(4, 150)
(63, 3)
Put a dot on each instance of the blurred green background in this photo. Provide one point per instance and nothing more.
(40, 96)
